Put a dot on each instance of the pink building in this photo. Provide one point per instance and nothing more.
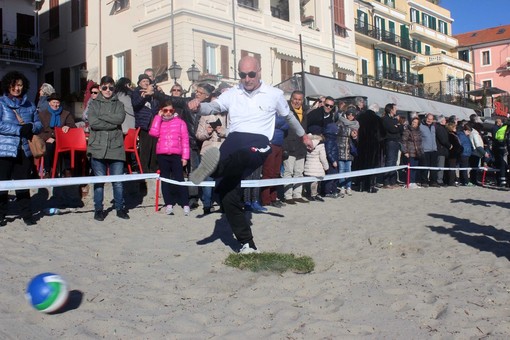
(489, 52)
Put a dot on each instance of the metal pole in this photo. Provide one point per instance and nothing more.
(332, 10)
(172, 25)
(302, 65)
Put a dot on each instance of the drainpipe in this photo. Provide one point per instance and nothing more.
(172, 25)
(333, 34)
(234, 46)
(100, 43)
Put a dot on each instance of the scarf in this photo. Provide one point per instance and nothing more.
(55, 117)
(299, 113)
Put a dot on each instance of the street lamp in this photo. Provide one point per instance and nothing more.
(193, 73)
(175, 71)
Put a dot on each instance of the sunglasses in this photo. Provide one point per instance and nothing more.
(251, 74)
(168, 110)
(328, 105)
(176, 90)
(105, 88)
(94, 92)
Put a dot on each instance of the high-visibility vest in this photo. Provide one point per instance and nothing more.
(500, 134)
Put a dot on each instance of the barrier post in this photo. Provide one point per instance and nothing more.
(158, 181)
(483, 175)
(408, 174)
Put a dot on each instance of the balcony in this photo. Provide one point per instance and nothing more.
(389, 40)
(451, 61)
(435, 38)
(394, 76)
(22, 49)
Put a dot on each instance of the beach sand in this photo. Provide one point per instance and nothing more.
(399, 264)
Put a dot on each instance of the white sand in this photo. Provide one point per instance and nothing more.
(399, 264)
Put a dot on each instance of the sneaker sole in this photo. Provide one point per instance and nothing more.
(208, 164)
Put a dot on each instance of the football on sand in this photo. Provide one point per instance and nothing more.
(47, 292)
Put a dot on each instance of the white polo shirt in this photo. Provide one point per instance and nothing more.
(252, 112)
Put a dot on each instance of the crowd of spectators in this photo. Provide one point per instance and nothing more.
(346, 137)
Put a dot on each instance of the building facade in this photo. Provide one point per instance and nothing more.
(20, 47)
(87, 39)
(489, 52)
(407, 46)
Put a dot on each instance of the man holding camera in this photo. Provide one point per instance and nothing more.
(145, 107)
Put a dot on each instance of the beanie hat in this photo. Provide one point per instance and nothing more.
(142, 77)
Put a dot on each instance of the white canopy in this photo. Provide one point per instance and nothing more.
(316, 86)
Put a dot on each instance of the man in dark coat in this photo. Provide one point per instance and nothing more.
(443, 146)
(145, 107)
(370, 136)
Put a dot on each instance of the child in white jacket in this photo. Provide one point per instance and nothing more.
(316, 164)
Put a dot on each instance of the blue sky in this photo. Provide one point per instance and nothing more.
(472, 15)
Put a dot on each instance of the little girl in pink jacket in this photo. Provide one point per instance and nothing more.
(172, 150)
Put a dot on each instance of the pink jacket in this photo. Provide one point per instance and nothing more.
(172, 136)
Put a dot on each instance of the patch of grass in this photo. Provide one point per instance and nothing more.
(273, 262)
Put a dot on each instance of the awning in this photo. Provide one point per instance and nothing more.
(489, 91)
(316, 86)
(287, 55)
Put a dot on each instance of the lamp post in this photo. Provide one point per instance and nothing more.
(175, 71)
(193, 74)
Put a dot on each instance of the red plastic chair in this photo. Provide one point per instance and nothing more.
(73, 141)
(131, 146)
(39, 166)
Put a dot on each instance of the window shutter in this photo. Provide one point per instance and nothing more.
(65, 81)
(127, 65)
(258, 57)
(75, 14)
(224, 61)
(109, 65)
(204, 56)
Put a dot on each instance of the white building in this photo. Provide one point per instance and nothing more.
(88, 39)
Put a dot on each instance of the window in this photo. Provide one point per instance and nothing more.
(486, 58)
(286, 66)
(415, 16)
(280, 9)
(315, 70)
(443, 27)
(464, 55)
(160, 61)
(122, 62)
(211, 58)
(390, 3)
(341, 76)
(251, 4)
(216, 59)
(78, 14)
(119, 6)
(425, 19)
(25, 29)
(54, 26)
(487, 83)
(339, 17)
(427, 50)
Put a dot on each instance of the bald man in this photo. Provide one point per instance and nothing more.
(252, 107)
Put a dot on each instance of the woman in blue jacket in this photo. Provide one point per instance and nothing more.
(16, 161)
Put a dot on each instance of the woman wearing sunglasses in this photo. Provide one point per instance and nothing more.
(106, 145)
(172, 150)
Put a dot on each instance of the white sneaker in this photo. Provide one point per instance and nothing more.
(349, 191)
(169, 210)
(208, 164)
(414, 186)
(247, 250)
(186, 210)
